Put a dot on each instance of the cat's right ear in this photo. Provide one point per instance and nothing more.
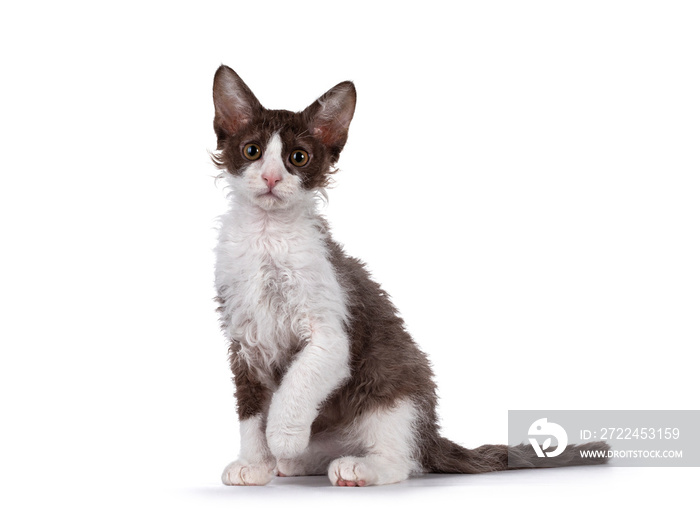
(234, 103)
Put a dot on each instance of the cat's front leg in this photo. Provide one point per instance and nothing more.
(255, 464)
(317, 371)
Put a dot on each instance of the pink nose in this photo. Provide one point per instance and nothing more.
(271, 179)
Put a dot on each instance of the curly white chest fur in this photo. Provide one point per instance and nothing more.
(276, 283)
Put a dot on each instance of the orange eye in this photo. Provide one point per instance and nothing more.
(299, 158)
(251, 152)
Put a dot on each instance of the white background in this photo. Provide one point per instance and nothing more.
(522, 177)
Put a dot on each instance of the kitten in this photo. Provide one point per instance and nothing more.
(328, 380)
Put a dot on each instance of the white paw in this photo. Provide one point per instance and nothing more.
(241, 473)
(287, 433)
(286, 440)
(351, 472)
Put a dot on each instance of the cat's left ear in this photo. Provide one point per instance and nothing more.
(328, 118)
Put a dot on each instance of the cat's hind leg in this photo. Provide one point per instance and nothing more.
(388, 438)
(304, 465)
(312, 462)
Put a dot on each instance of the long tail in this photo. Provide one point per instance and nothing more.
(446, 457)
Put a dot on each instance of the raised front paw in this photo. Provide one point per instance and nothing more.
(287, 440)
(242, 473)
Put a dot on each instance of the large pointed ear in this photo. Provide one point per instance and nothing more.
(234, 103)
(328, 118)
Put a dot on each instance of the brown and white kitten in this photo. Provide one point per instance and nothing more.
(327, 378)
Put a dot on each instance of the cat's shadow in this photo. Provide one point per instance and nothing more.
(424, 482)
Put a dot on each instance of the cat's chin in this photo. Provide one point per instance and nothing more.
(270, 201)
(269, 195)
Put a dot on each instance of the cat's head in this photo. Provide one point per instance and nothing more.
(276, 158)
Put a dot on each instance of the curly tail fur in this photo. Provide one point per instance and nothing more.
(450, 458)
